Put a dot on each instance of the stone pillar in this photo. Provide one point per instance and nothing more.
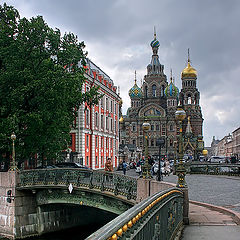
(185, 206)
(143, 189)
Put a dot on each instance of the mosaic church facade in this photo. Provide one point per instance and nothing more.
(155, 102)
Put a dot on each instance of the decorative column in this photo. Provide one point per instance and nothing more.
(180, 115)
(13, 166)
(146, 167)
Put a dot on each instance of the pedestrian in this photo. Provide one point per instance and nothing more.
(108, 165)
(124, 167)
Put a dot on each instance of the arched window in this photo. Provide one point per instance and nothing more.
(146, 89)
(162, 90)
(152, 142)
(87, 117)
(189, 99)
(170, 127)
(154, 90)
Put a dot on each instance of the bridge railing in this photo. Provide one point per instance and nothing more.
(79, 178)
(213, 168)
(157, 217)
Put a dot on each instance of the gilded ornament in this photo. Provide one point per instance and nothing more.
(114, 237)
(125, 227)
(130, 224)
(120, 232)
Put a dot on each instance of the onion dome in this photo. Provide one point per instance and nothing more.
(154, 43)
(121, 120)
(135, 91)
(171, 90)
(189, 71)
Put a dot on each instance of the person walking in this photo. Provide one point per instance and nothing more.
(124, 167)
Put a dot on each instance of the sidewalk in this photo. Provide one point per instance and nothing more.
(207, 223)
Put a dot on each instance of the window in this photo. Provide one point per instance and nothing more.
(96, 119)
(146, 89)
(170, 127)
(134, 142)
(189, 99)
(111, 142)
(107, 123)
(134, 127)
(152, 143)
(102, 160)
(87, 141)
(111, 106)
(162, 90)
(152, 127)
(106, 103)
(87, 117)
(101, 142)
(106, 142)
(157, 127)
(116, 126)
(96, 160)
(115, 108)
(96, 142)
(154, 90)
(87, 160)
(102, 122)
(111, 124)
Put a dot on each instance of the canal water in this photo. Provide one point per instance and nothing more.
(77, 233)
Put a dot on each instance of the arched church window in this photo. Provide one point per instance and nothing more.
(170, 127)
(146, 89)
(189, 99)
(154, 90)
(171, 142)
(152, 143)
(162, 90)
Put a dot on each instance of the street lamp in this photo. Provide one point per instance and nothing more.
(180, 115)
(146, 168)
(175, 157)
(160, 142)
(205, 153)
(13, 166)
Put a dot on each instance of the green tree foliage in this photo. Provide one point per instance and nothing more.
(41, 78)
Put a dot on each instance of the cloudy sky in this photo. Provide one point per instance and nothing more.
(117, 34)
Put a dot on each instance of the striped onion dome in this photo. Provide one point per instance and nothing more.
(171, 90)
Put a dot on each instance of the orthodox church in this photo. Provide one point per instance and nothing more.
(155, 102)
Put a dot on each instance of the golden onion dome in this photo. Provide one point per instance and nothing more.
(189, 71)
(121, 119)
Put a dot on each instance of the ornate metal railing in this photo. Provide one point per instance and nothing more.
(157, 217)
(214, 168)
(80, 178)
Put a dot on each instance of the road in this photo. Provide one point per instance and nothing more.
(217, 190)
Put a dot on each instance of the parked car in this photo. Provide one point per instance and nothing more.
(70, 165)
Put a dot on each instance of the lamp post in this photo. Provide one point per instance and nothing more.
(175, 157)
(205, 153)
(13, 166)
(146, 168)
(180, 115)
(160, 142)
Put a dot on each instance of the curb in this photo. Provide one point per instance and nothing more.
(233, 214)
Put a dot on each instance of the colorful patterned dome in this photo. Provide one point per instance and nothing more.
(155, 43)
(171, 90)
(135, 92)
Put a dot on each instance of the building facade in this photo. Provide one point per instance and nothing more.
(156, 101)
(95, 132)
(228, 146)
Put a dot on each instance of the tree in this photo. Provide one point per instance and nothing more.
(41, 78)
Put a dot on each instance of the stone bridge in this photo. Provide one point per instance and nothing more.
(34, 202)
